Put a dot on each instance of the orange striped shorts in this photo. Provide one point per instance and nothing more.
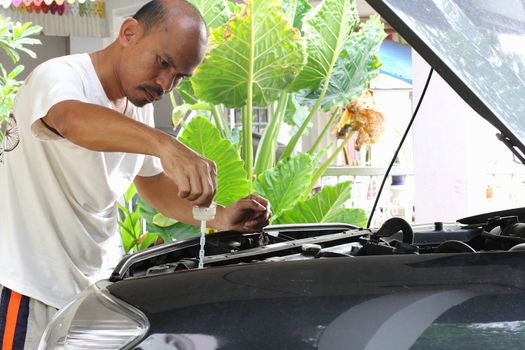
(22, 320)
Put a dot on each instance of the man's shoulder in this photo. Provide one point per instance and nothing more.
(63, 66)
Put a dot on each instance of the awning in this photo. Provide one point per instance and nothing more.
(60, 17)
(16, 3)
(396, 60)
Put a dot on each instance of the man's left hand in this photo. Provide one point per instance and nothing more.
(248, 214)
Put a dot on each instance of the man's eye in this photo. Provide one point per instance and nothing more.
(163, 63)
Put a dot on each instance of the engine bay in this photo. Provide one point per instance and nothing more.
(497, 231)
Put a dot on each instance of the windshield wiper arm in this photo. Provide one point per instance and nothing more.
(512, 146)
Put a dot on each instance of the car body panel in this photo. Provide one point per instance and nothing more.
(337, 303)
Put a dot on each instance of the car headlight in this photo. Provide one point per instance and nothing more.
(95, 320)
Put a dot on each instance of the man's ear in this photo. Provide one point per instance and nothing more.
(129, 30)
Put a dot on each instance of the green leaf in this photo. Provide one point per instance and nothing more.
(125, 210)
(135, 222)
(128, 241)
(182, 231)
(130, 229)
(176, 231)
(16, 71)
(204, 138)
(148, 240)
(327, 29)
(163, 221)
(295, 114)
(325, 206)
(235, 9)
(132, 190)
(285, 184)
(295, 11)
(355, 67)
(353, 216)
(260, 49)
(186, 92)
(214, 12)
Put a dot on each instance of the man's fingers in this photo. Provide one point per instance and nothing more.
(207, 194)
(255, 225)
(259, 199)
(184, 187)
(254, 205)
(198, 185)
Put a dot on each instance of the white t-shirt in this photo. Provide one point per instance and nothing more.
(58, 215)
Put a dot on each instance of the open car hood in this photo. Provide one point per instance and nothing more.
(478, 47)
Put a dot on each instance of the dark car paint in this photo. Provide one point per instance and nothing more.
(336, 303)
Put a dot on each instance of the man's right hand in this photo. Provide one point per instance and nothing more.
(194, 175)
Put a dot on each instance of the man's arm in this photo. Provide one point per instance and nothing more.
(101, 129)
(249, 214)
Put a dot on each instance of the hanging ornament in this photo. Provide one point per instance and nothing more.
(44, 7)
(5, 3)
(37, 2)
(28, 3)
(48, 2)
(53, 8)
(67, 8)
(59, 2)
(98, 9)
(70, 1)
(84, 9)
(16, 3)
(73, 9)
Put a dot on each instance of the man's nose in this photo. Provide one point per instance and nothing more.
(167, 81)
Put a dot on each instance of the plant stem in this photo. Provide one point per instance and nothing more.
(295, 138)
(220, 110)
(320, 171)
(333, 117)
(247, 117)
(266, 150)
(219, 121)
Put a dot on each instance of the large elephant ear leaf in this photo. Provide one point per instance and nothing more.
(285, 184)
(215, 12)
(204, 138)
(325, 206)
(259, 49)
(356, 66)
(327, 29)
(295, 10)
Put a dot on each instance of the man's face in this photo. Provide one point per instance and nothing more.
(155, 62)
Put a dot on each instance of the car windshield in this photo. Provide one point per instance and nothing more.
(483, 43)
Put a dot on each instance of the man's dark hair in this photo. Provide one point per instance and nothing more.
(154, 13)
(151, 14)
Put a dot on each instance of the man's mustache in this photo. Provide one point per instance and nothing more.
(156, 89)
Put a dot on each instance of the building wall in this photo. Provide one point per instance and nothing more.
(52, 46)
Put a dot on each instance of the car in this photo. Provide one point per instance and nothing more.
(337, 286)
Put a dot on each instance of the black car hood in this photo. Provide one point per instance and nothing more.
(477, 46)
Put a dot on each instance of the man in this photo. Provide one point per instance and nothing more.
(85, 127)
